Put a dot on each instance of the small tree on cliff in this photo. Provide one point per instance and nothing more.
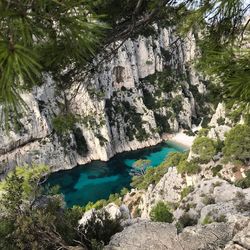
(139, 167)
(205, 148)
(237, 145)
(160, 212)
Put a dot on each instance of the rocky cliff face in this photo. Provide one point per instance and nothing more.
(149, 88)
(215, 215)
(209, 210)
(155, 235)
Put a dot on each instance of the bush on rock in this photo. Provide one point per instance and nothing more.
(160, 212)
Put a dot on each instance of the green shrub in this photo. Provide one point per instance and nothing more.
(174, 159)
(137, 212)
(163, 80)
(6, 228)
(141, 134)
(185, 191)
(76, 212)
(124, 191)
(148, 99)
(64, 123)
(101, 139)
(219, 145)
(160, 212)
(215, 170)
(207, 200)
(29, 224)
(148, 62)
(207, 220)
(203, 132)
(205, 121)
(221, 121)
(96, 245)
(236, 114)
(99, 228)
(140, 167)
(131, 117)
(185, 220)
(237, 146)
(217, 184)
(115, 198)
(245, 182)
(188, 167)
(162, 123)
(205, 148)
(96, 205)
(176, 104)
(152, 176)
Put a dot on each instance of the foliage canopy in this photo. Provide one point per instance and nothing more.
(205, 148)
(160, 212)
(237, 144)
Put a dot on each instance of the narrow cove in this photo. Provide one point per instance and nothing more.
(98, 179)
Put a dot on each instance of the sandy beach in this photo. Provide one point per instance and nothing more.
(181, 139)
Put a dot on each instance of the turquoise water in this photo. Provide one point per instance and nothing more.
(97, 180)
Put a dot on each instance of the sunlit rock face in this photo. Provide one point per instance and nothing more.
(157, 235)
(125, 106)
(167, 189)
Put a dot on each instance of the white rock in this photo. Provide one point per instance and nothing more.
(113, 210)
(167, 189)
(86, 217)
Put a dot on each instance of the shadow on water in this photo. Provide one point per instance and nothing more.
(98, 179)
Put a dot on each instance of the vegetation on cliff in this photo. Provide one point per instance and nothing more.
(237, 145)
(160, 212)
(33, 217)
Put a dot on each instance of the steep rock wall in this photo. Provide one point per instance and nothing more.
(144, 91)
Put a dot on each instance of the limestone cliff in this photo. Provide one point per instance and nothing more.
(215, 215)
(155, 235)
(147, 89)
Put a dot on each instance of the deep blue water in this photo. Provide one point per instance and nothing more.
(98, 179)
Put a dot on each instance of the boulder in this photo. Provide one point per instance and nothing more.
(241, 240)
(145, 235)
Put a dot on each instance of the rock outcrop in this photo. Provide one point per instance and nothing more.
(218, 211)
(219, 123)
(152, 235)
(215, 200)
(167, 189)
(241, 239)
